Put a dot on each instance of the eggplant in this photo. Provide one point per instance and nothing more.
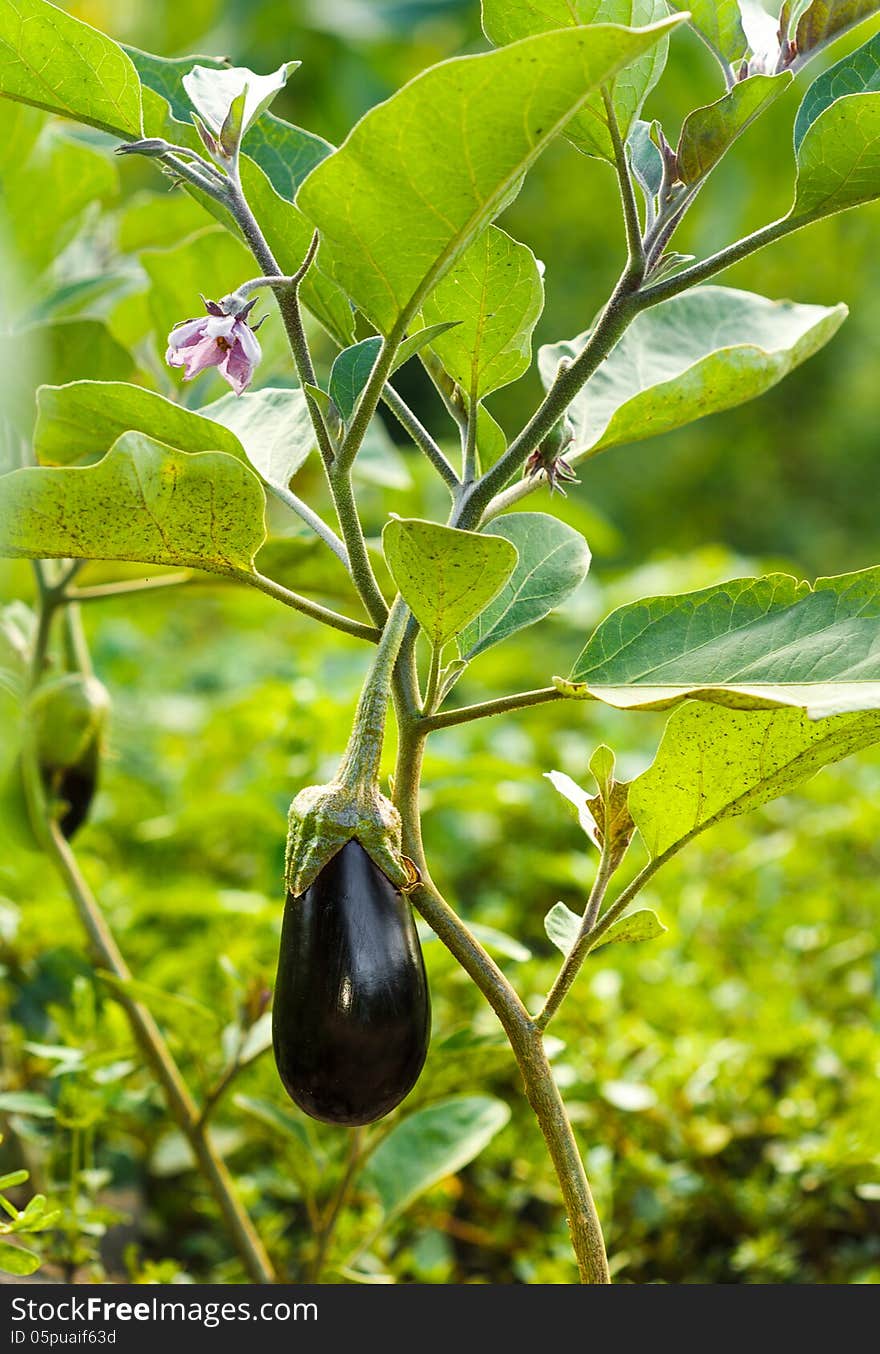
(351, 1015)
(75, 787)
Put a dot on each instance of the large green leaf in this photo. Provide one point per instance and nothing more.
(421, 175)
(837, 137)
(753, 643)
(496, 295)
(446, 576)
(51, 60)
(704, 351)
(553, 560)
(429, 1145)
(857, 73)
(274, 428)
(708, 133)
(78, 423)
(719, 24)
(715, 763)
(507, 21)
(142, 502)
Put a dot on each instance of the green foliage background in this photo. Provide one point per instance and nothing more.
(723, 1078)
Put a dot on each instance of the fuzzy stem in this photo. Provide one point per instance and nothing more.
(581, 948)
(420, 435)
(307, 607)
(525, 1039)
(503, 705)
(363, 755)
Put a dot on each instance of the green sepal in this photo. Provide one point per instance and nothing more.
(68, 716)
(323, 818)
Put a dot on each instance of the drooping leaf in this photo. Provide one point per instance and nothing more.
(507, 21)
(53, 61)
(273, 427)
(753, 643)
(707, 350)
(446, 576)
(429, 1145)
(708, 133)
(821, 22)
(213, 91)
(142, 502)
(719, 24)
(496, 295)
(421, 175)
(856, 73)
(715, 763)
(553, 560)
(78, 423)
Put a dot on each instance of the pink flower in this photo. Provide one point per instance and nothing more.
(221, 339)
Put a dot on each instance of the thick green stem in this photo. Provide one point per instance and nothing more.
(525, 1038)
(358, 557)
(361, 760)
(580, 949)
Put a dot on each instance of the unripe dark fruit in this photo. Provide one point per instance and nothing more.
(351, 1016)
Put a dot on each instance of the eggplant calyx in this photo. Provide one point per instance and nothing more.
(323, 818)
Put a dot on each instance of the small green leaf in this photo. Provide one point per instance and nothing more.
(350, 373)
(272, 426)
(496, 294)
(719, 24)
(423, 173)
(16, 1260)
(708, 133)
(27, 1103)
(636, 926)
(78, 423)
(507, 21)
(562, 927)
(714, 763)
(753, 643)
(429, 1145)
(14, 1178)
(51, 60)
(446, 576)
(491, 438)
(142, 502)
(700, 353)
(214, 91)
(646, 158)
(553, 560)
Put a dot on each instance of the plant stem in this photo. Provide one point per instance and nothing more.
(581, 947)
(126, 587)
(311, 519)
(634, 244)
(469, 463)
(433, 688)
(521, 700)
(364, 751)
(328, 1225)
(307, 607)
(716, 263)
(369, 400)
(420, 435)
(352, 533)
(181, 1105)
(525, 1038)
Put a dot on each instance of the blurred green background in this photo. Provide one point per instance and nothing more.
(724, 1079)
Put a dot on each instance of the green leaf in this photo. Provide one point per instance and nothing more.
(286, 153)
(51, 60)
(27, 1103)
(508, 20)
(352, 367)
(645, 158)
(16, 1260)
(496, 295)
(144, 502)
(272, 426)
(562, 927)
(635, 926)
(708, 133)
(714, 763)
(14, 1178)
(823, 21)
(707, 350)
(446, 576)
(553, 560)
(78, 423)
(719, 24)
(491, 438)
(421, 175)
(429, 1145)
(857, 73)
(750, 644)
(213, 92)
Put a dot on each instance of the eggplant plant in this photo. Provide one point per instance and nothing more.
(388, 247)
